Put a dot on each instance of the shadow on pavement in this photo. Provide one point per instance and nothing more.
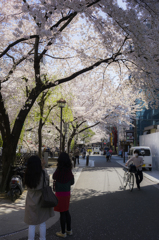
(119, 215)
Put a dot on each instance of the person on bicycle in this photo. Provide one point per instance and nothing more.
(138, 162)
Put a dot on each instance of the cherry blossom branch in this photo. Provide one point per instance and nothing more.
(127, 60)
(63, 19)
(71, 15)
(56, 127)
(89, 127)
(69, 18)
(60, 30)
(50, 109)
(15, 65)
(15, 43)
(146, 6)
(84, 70)
(8, 55)
(58, 57)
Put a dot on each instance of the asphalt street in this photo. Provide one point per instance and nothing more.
(102, 210)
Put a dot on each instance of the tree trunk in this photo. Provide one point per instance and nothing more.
(10, 140)
(41, 105)
(8, 159)
(40, 137)
(68, 144)
(70, 140)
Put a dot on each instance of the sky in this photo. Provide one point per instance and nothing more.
(121, 4)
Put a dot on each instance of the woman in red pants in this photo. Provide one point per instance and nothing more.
(63, 178)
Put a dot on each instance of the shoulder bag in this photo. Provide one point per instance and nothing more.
(48, 197)
(132, 168)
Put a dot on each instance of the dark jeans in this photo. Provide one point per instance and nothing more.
(139, 177)
(65, 221)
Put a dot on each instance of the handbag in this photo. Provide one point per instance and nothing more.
(132, 168)
(48, 197)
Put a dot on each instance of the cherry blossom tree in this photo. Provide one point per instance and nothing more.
(39, 38)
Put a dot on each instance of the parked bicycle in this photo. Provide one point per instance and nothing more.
(128, 178)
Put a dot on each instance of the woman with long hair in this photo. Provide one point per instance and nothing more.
(34, 214)
(63, 178)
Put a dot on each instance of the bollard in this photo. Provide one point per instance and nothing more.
(87, 160)
(46, 159)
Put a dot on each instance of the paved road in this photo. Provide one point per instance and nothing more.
(102, 210)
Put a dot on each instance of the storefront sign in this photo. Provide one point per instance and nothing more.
(129, 136)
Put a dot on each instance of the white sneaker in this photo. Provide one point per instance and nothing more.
(69, 232)
(60, 234)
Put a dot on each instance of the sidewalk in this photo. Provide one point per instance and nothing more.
(12, 226)
(151, 175)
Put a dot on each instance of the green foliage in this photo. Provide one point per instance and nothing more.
(67, 114)
(87, 134)
(72, 144)
(22, 136)
(18, 155)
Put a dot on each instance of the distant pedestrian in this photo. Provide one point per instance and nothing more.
(63, 178)
(76, 154)
(110, 151)
(138, 162)
(34, 214)
(84, 153)
(72, 158)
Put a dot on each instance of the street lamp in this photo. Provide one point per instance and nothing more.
(61, 104)
(124, 145)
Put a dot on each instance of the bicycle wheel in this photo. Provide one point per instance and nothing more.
(131, 181)
(125, 180)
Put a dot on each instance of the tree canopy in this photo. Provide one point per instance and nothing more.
(96, 45)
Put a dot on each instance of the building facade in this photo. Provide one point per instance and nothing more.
(144, 119)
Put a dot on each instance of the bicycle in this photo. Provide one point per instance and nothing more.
(108, 158)
(129, 178)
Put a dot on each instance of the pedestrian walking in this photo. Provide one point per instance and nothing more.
(63, 178)
(73, 159)
(138, 162)
(84, 153)
(76, 154)
(34, 214)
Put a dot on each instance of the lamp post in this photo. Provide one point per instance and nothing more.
(61, 104)
(124, 146)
